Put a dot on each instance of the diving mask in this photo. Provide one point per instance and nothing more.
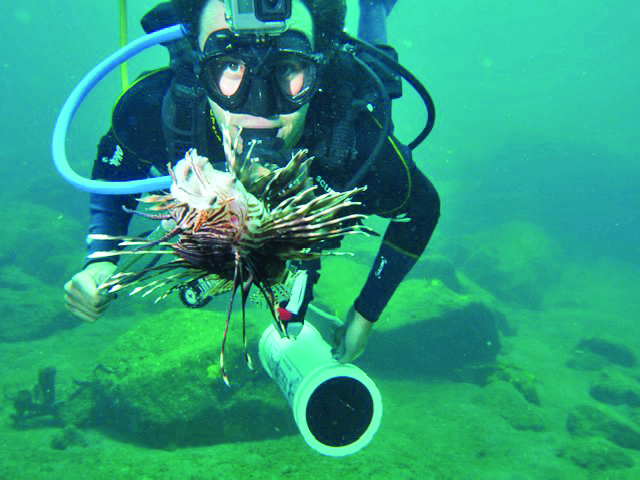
(259, 75)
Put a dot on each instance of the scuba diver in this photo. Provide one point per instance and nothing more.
(295, 82)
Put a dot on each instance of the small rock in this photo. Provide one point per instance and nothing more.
(596, 454)
(586, 360)
(69, 436)
(612, 351)
(616, 389)
(523, 380)
(508, 402)
(586, 420)
(288, 470)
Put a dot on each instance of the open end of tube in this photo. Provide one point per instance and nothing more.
(339, 411)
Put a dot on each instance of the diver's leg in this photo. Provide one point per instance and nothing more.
(372, 25)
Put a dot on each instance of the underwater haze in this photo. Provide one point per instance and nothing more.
(537, 119)
(510, 351)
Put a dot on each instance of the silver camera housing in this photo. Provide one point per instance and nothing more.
(258, 16)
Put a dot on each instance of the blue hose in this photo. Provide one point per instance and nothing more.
(77, 97)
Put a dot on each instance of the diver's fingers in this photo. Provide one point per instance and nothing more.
(103, 299)
(82, 295)
(338, 344)
(83, 305)
(346, 357)
(83, 313)
(84, 287)
(80, 304)
(77, 293)
(76, 289)
(355, 338)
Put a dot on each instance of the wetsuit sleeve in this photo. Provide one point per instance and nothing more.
(415, 209)
(113, 163)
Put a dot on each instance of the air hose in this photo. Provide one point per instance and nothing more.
(75, 100)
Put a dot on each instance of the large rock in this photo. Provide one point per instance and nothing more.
(596, 353)
(42, 242)
(160, 384)
(426, 327)
(40, 249)
(515, 261)
(29, 307)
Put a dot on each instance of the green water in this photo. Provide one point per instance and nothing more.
(535, 156)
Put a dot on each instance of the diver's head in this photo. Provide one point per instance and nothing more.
(328, 19)
(266, 79)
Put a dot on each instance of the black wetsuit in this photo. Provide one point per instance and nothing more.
(136, 148)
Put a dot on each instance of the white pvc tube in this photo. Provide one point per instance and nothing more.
(337, 407)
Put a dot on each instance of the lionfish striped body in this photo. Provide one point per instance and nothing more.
(238, 229)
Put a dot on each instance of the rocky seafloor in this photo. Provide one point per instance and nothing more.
(498, 358)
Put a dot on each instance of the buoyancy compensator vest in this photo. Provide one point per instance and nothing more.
(185, 118)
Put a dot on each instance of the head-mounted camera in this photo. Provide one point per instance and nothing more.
(258, 16)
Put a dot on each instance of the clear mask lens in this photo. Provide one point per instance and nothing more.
(282, 73)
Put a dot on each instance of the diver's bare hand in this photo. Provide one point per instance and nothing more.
(82, 297)
(351, 338)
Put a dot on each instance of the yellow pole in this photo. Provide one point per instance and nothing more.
(124, 75)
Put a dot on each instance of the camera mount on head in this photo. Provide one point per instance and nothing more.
(258, 16)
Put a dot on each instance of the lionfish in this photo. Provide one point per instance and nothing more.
(236, 229)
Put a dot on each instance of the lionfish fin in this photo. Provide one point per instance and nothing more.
(224, 375)
(245, 295)
(237, 278)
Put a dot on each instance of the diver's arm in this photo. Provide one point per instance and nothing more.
(120, 158)
(107, 215)
(402, 246)
(397, 189)
(83, 298)
(403, 243)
